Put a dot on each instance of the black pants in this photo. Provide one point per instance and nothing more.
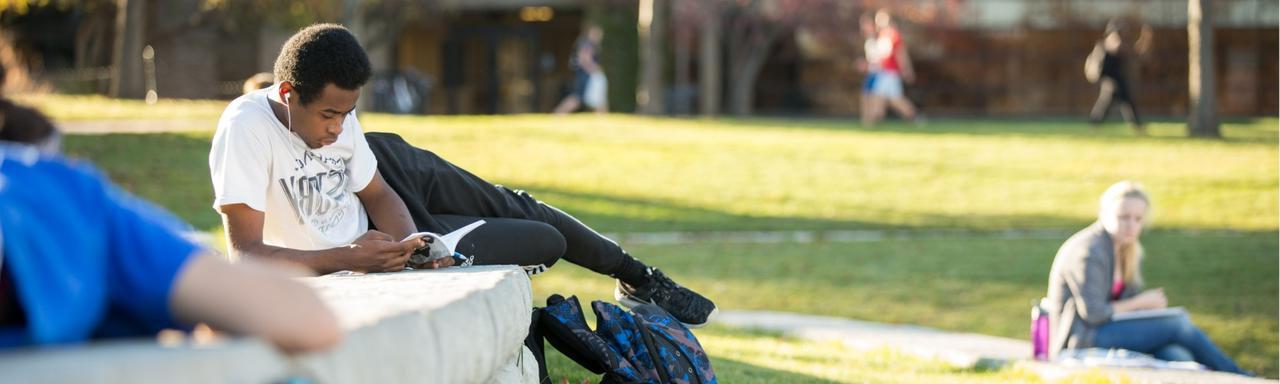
(1115, 91)
(519, 229)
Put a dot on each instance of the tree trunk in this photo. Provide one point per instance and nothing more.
(742, 86)
(1202, 86)
(683, 95)
(619, 51)
(356, 19)
(709, 68)
(126, 79)
(92, 47)
(652, 28)
(748, 60)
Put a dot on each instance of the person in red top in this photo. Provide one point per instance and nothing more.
(895, 66)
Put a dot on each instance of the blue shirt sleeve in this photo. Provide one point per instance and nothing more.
(146, 250)
(87, 259)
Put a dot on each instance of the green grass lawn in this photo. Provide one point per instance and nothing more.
(635, 173)
(1213, 245)
(642, 174)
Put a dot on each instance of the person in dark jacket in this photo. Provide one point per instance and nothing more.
(1106, 66)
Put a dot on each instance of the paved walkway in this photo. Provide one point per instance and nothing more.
(958, 349)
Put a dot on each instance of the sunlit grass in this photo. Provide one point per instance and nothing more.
(786, 174)
(639, 174)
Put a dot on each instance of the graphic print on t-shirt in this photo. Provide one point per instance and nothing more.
(317, 194)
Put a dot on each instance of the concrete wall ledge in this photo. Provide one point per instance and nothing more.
(457, 325)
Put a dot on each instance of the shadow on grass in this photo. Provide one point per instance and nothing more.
(608, 213)
(561, 368)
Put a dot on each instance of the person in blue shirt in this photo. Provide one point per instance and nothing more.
(81, 259)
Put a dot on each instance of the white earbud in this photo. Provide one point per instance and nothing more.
(288, 115)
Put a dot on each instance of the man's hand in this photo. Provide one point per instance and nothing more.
(435, 264)
(379, 252)
(420, 243)
(371, 252)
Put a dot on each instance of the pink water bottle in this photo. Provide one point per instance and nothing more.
(1039, 330)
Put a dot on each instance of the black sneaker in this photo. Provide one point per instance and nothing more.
(685, 305)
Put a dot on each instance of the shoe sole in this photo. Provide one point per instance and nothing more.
(628, 302)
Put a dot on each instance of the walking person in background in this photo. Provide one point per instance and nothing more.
(869, 64)
(589, 86)
(1106, 66)
(894, 65)
(1097, 273)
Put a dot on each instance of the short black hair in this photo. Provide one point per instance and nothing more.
(23, 124)
(322, 54)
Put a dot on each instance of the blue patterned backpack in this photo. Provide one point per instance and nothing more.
(645, 345)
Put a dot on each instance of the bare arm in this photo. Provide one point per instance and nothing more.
(1093, 64)
(256, 300)
(587, 60)
(388, 212)
(1151, 299)
(1143, 44)
(372, 252)
(904, 63)
(386, 209)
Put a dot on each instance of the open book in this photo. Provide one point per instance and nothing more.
(439, 246)
(1148, 314)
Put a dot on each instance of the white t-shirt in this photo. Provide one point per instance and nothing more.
(871, 51)
(307, 195)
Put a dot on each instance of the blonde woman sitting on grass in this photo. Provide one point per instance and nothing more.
(1098, 273)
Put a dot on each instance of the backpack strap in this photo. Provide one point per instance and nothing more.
(619, 328)
(562, 323)
(535, 343)
(682, 357)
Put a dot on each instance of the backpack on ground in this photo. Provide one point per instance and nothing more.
(646, 345)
